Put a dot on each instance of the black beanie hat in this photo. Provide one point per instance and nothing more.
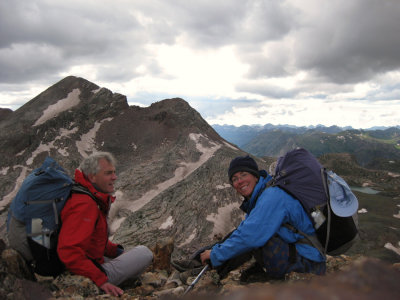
(243, 164)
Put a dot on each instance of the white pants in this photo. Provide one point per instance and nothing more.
(129, 264)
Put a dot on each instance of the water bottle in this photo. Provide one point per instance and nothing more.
(318, 217)
(46, 237)
(37, 233)
(36, 225)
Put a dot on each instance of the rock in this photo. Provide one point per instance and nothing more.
(2, 246)
(364, 279)
(162, 254)
(29, 290)
(143, 290)
(174, 280)
(156, 280)
(347, 278)
(294, 276)
(170, 292)
(5, 112)
(15, 265)
(336, 263)
(208, 283)
(17, 280)
(69, 285)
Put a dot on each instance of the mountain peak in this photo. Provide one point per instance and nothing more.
(171, 163)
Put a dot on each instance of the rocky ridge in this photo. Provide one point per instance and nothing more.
(347, 278)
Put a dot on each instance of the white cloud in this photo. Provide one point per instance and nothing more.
(217, 55)
(360, 114)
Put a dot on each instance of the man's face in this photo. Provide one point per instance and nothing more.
(244, 183)
(105, 177)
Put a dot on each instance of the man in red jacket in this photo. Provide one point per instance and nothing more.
(83, 242)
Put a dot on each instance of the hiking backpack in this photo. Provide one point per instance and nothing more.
(300, 174)
(38, 205)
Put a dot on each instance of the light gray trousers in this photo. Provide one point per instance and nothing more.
(129, 264)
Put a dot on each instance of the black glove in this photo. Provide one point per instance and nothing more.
(196, 255)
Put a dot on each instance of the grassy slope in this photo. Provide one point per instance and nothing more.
(377, 227)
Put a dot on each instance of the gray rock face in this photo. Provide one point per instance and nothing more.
(5, 113)
(172, 165)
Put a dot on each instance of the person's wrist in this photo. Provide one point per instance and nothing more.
(120, 250)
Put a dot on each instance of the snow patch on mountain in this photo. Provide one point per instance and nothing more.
(395, 249)
(86, 145)
(62, 105)
(168, 223)
(180, 173)
(222, 219)
(8, 198)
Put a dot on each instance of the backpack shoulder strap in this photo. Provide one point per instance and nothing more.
(79, 189)
(311, 240)
(329, 217)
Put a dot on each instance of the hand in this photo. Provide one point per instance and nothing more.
(205, 257)
(196, 255)
(111, 289)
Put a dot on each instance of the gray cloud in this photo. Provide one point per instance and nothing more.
(216, 23)
(336, 43)
(273, 64)
(210, 108)
(41, 37)
(342, 42)
(351, 41)
(267, 90)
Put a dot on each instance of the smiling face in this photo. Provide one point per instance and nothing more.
(105, 177)
(244, 183)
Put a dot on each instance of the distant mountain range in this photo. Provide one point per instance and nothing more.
(372, 148)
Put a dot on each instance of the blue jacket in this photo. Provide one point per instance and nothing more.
(266, 212)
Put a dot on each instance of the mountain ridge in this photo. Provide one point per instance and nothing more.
(158, 148)
(372, 149)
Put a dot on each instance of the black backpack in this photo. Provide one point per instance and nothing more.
(300, 174)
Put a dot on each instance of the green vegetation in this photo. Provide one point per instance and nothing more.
(378, 226)
(370, 149)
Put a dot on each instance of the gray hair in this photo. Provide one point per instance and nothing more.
(90, 165)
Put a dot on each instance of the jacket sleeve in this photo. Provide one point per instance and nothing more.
(254, 231)
(112, 249)
(78, 223)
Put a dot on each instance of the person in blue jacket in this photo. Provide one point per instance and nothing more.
(262, 233)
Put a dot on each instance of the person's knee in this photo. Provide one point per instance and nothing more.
(147, 254)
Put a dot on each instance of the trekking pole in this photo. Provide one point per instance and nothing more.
(196, 279)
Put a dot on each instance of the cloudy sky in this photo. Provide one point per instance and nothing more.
(237, 62)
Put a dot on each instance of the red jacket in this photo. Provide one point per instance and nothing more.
(83, 237)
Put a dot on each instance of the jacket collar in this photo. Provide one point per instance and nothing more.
(104, 198)
(248, 205)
